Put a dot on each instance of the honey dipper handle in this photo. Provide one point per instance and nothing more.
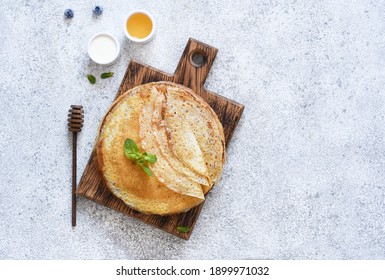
(74, 148)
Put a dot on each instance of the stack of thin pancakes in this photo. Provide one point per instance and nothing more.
(181, 129)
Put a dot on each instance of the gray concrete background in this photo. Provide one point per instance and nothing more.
(305, 174)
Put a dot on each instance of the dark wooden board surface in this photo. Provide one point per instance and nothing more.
(192, 72)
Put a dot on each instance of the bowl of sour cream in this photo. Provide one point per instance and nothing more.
(103, 48)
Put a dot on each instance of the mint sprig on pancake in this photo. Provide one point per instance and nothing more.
(132, 152)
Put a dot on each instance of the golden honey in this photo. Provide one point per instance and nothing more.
(139, 25)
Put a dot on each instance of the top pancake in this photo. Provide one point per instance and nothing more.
(176, 125)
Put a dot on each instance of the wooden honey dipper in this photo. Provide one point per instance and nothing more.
(75, 124)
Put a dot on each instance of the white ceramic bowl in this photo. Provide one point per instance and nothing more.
(103, 48)
(137, 40)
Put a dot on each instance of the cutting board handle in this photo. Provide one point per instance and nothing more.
(194, 65)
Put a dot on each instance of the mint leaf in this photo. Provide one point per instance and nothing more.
(183, 229)
(130, 146)
(91, 78)
(147, 170)
(132, 156)
(107, 75)
(131, 151)
(150, 158)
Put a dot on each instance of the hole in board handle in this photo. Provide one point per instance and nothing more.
(198, 58)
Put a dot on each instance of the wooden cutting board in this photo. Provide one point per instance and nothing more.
(192, 71)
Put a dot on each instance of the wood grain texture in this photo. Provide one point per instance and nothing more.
(188, 74)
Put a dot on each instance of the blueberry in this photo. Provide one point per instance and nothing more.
(69, 13)
(98, 10)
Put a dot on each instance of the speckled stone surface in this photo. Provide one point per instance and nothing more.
(305, 176)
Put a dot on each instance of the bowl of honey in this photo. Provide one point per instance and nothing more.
(139, 26)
